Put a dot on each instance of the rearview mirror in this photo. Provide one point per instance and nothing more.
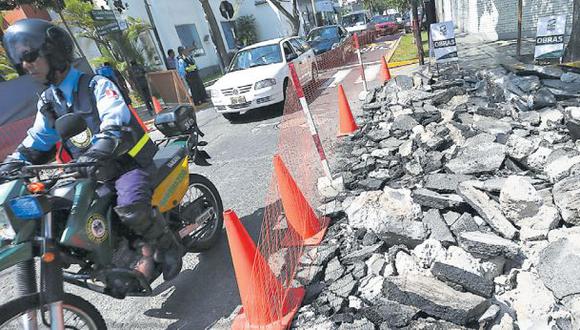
(70, 125)
(291, 57)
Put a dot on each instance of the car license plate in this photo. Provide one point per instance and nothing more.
(238, 100)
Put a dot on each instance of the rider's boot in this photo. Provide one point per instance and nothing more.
(151, 225)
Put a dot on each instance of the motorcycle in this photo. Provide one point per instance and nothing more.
(51, 213)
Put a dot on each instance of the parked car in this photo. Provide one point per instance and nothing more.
(386, 24)
(258, 75)
(357, 21)
(325, 38)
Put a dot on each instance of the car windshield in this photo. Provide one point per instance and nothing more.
(383, 19)
(258, 56)
(353, 19)
(323, 34)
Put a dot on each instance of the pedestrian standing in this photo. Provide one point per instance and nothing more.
(138, 74)
(171, 65)
(189, 72)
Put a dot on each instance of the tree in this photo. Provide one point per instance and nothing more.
(246, 30)
(293, 17)
(7, 72)
(214, 31)
(573, 48)
(11, 4)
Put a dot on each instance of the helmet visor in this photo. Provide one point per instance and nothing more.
(23, 44)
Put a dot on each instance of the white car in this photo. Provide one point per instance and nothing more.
(258, 75)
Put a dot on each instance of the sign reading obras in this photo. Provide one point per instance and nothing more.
(550, 37)
(442, 42)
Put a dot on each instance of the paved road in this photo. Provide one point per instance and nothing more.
(241, 168)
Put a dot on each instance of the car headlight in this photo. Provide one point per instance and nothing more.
(265, 83)
(6, 230)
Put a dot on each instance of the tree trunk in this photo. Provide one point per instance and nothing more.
(573, 49)
(417, 32)
(293, 18)
(215, 33)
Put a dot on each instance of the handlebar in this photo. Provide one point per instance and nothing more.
(36, 168)
(32, 171)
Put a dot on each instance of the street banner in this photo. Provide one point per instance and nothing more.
(103, 15)
(550, 37)
(443, 45)
(105, 21)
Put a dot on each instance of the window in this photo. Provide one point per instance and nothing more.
(287, 49)
(258, 56)
(297, 46)
(229, 33)
(189, 37)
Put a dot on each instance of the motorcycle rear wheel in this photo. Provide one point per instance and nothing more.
(201, 198)
(78, 313)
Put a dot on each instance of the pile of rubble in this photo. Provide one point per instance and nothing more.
(461, 201)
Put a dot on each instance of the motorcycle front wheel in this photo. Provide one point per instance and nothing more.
(78, 313)
(199, 215)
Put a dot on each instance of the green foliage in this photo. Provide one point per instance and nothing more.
(407, 50)
(6, 69)
(379, 6)
(11, 4)
(246, 30)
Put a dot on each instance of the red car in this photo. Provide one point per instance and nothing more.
(386, 24)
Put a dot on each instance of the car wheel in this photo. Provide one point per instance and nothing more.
(231, 117)
(279, 107)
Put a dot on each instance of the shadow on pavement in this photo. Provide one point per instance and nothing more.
(208, 292)
(259, 114)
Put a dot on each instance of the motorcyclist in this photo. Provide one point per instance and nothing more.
(114, 140)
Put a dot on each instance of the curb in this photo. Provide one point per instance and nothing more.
(403, 63)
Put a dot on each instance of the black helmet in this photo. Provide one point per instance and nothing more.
(36, 35)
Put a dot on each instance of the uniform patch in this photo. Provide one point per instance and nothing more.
(97, 228)
(82, 140)
(111, 94)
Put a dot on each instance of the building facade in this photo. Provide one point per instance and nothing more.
(497, 19)
(183, 23)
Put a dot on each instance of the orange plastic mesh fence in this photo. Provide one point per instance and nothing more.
(281, 243)
(12, 134)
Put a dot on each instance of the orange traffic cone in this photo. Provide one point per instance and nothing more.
(347, 125)
(266, 304)
(156, 105)
(385, 73)
(299, 214)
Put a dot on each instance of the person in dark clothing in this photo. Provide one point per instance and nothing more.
(171, 61)
(138, 74)
(122, 84)
(189, 72)
(45, 52)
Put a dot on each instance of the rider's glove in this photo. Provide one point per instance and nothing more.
(103, 150)
(10, 166)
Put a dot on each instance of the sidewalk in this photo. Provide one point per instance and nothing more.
(477, 53)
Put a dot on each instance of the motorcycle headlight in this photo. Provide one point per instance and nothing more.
(6, 230)
(265, 83)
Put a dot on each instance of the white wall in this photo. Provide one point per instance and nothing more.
(167, 14)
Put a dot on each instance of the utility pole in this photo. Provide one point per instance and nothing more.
(154, 27)
(520, 14)
(417, 32)
(314, 12)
